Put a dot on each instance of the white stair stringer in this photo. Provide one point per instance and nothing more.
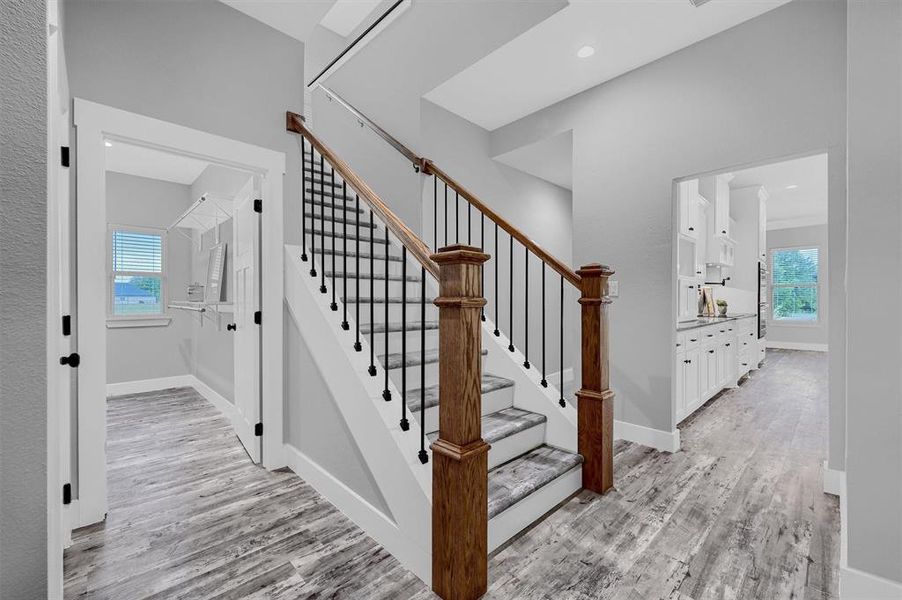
(374, 425)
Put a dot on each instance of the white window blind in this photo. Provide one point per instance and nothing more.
(794, 276)
(136, 277)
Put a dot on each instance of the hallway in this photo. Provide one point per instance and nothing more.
(739, 513)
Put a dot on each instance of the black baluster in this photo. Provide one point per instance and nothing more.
(544, 381)
(435, 212)
(372, 369)
(322, 222)
(424, 458)
(357, 346)
(510, 317)
(469, 225)
(405, 425)
(456, 217)
(386, 393)
(313, 220)
(497, 263)
(334, 305)
(482, 270)
(562, 402)
(344, 268)
(303, 199)
(526, 315)
(446, 213)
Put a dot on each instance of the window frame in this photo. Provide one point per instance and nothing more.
(773, 320)
(162, 318)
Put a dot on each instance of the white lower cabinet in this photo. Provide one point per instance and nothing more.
(708, 359)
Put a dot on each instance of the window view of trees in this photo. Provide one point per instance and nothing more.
(795, 284)
(137, 261)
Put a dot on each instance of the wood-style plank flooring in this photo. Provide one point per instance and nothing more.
(738, 513)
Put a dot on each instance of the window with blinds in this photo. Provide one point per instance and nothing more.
(136, 274)
(794, 280)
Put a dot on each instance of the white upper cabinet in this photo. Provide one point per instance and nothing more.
(689, 208)
(720, 244)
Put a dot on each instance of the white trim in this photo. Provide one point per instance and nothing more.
(215, 398)
(554, 378)
(834, 481)
(94, 124)
(796, 346)
(140, 386)
(366, 516)
(858, 585)
(126, 322)
(665, 441)
(796, 222)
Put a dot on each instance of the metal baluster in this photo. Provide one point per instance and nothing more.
(322, 222)
(482, 271)
(372, 370)
(510, 317)
(334, 305)
(544, 381)
(456, 217)
(562, 402)
(435, 212)
(526, 315)
(469, 225)
(497, 262)
(357, 346)
(424, 458)
(386, 393)
(303, 199)
(313, 219)
(446, 213)
(344, 268)
(405, 425)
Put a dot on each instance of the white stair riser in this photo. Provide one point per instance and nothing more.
(394, 267)
(394, 308)
(514, 445)
(395, 286)
(394, 338)
(413, 371)
(354, 245)
(491, 402)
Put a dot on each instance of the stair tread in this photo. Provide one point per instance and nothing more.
(320, 181)
(381, 300)
(381, 276)
(396, 327)
(515, 480)
(332, 205)
(376, 257)
(504, 423)
(341, 221)
(490, 383)
(331, 193)
(340, 234)
(393, 360)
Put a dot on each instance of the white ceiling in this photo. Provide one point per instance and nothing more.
(153, 164)
(296, 18)
(346, 15)
(540, 67)
(551, 159)
(797, 207)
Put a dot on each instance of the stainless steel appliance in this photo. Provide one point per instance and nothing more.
(762, 300)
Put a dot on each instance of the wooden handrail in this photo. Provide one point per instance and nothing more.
(552, 261)
(410, 240)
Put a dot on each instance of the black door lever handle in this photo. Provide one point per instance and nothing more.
(231, 327)
(73, 360)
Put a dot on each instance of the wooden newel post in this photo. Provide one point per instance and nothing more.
(460, 456)
(596, 400)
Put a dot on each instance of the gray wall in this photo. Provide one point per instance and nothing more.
(136, 353)
(719, 104)
(201, 64)
(874, 425)
(814, 236)
(23, 292)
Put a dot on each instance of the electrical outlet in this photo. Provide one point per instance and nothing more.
(613, 288)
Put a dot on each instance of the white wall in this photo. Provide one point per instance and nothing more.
(814, 236)
(136, 353)
(23, 306)
(874, 424)
(719, 104)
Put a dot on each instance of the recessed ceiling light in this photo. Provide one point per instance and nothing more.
(585, 52)
(791, 187)
(108, 143)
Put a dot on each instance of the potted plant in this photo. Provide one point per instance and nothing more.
(722, 307)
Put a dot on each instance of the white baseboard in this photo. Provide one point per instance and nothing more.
(796, 346)
(834, 481)
(148, 385)
(215, 398)
(554, 378)
(858, 585)
(373, 521)
(665, 441)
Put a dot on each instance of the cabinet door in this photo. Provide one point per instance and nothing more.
(679, 387)
(722, 207)
(688, 191)
(730, 359)
(703, 389)
(720, 365)
(691, 380)
(711, 368)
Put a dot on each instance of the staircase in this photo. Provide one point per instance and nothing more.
(387, 297)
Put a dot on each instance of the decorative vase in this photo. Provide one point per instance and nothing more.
(722, 310)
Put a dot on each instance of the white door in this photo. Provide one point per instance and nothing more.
(246, 279)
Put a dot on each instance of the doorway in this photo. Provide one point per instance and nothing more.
(141, 273)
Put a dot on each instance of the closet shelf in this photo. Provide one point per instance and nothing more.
(205, 213)
(202, 307)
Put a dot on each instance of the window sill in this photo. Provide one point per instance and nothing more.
(120, 323)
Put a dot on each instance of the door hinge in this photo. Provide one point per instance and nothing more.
(67, 325)
(258, 317)
(73, 360)
(258, 205)
(258, 429)
(67, 493)
(64, 156)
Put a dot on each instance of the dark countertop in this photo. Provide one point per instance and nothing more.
(705, 321)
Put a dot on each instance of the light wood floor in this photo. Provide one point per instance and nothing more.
(738, 513)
